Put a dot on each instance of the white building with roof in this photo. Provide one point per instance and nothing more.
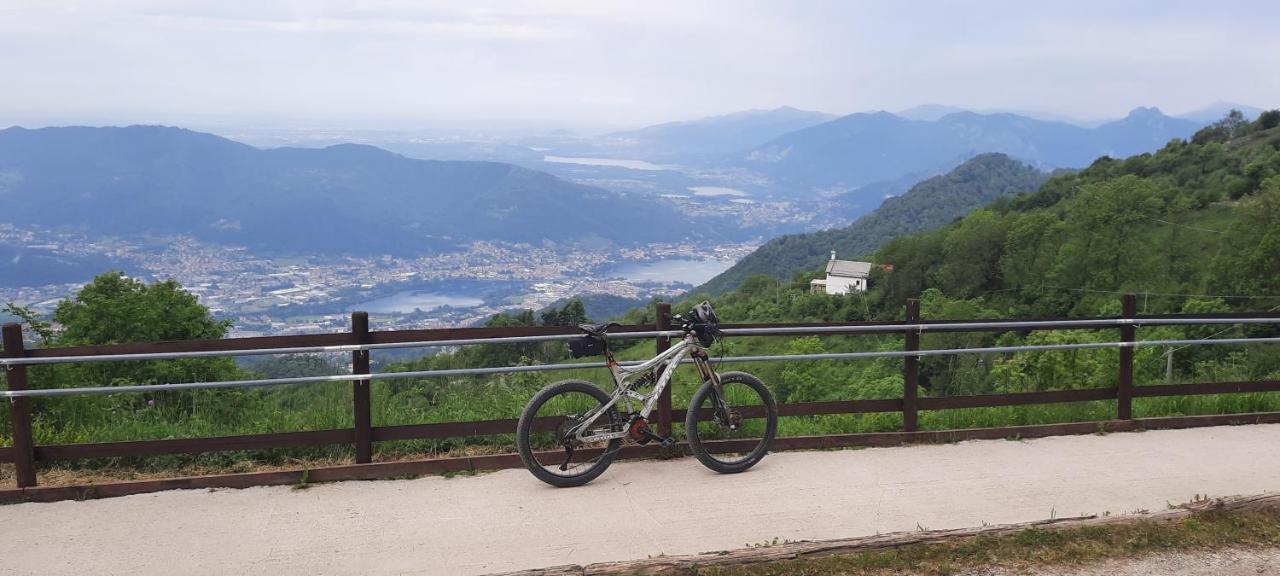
(843, 277)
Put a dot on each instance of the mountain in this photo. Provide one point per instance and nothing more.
(859, 149)
(717, 135)
(930, 204)
(1218, 110)
(928, 112)
(341, 199)
(1143, 130)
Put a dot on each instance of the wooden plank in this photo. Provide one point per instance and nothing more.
(447, 334)
(1124, 392)
(19, 409)
(1268, 314)
(911, 371)
(1017, 399)
(362, 416)
(1206, 388)
(194, 445)
(446, 430)
(6, 454)
(223, 345)
(941, 325)
(508, 426)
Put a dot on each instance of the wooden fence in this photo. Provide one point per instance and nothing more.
(25, 454)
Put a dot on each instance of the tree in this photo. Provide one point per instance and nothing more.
(572, 313)
(1269, 119)
(114, 309)
(1249, 261)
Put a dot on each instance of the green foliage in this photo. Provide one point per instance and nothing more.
(1161, 224)
(1269, 119)
(928, 205)
(114, 309)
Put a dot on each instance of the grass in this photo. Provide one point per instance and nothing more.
(1035, 548)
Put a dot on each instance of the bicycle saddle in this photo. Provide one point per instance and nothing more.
(597, 330)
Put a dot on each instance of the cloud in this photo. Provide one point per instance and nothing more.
(591, 63)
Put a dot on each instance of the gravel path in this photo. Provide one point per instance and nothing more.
(508, 521)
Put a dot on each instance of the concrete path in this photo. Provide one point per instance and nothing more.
(508, 520)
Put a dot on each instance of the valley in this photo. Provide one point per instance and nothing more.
(290, 294)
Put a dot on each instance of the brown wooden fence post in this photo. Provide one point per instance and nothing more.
(663, 322)
(20, 409)
(911, 371)
(1124, 389)
(360, 389)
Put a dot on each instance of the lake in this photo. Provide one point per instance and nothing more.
(409, 300)
(685, 270)
(615, 162)
(715, 191)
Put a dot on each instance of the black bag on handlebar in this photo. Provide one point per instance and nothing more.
(586, 346)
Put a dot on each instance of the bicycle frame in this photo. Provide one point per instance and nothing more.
(669, 360)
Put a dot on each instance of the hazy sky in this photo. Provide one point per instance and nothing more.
(594, 64)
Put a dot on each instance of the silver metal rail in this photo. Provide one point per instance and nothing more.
(781, 331)
(579, 366)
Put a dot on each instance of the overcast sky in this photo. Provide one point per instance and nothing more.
(592, 64)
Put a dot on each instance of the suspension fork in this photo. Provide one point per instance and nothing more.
(703, 362)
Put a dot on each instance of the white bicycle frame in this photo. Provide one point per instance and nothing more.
(669, 359)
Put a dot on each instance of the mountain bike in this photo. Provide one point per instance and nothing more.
(571, 430)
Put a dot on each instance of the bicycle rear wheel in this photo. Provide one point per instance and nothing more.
(731, 429)
(545, 433)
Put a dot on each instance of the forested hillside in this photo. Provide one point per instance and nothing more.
(929, 204)
(1198, 217)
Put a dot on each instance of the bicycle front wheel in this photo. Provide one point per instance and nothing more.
(730, 429)
(546, 434)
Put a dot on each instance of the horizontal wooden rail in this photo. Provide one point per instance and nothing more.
(1016, 399)
(221, 345)
(195, 445)
(448, 334)
(1160, 390)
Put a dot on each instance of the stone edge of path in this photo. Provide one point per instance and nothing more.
(683, 565)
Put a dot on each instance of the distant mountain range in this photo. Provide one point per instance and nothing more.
(859, 149)
(930, 204)
(341, 199)
(717, 135)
